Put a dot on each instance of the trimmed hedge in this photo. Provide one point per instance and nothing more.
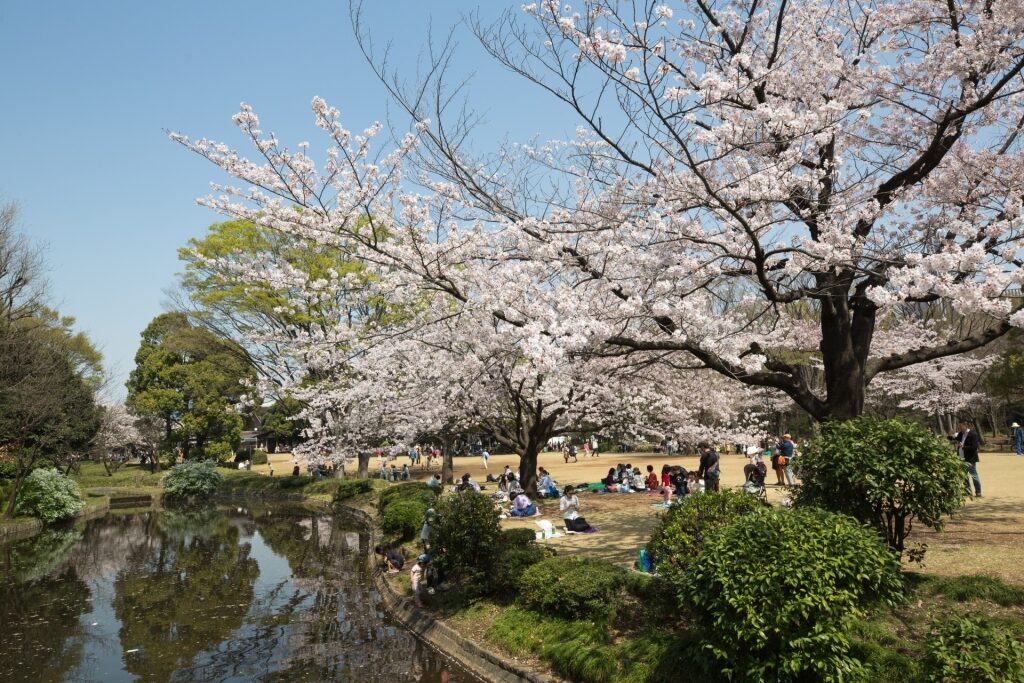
(403, 519)
(411, 490)
(518, 537)
(571, 587)
(192, 479)
(349, 488)
(509, 565)
(259, 458)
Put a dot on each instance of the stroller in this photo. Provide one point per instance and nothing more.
(754, 476)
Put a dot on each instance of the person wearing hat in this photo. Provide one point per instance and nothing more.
(781, 463)
(1018, 439)
(417, 571)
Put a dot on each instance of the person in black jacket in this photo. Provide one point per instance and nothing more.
(710, 467)
(967, 445)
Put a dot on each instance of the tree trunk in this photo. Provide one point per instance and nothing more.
(364, 464)
(13, 496)
(845, 342)
(447, 466)
(528, 469)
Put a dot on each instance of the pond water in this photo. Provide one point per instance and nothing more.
(204, 595)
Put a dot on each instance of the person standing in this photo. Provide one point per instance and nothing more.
(967, 444)
(486, 456)
(784, 457)
(1018, 439)
(710, 468)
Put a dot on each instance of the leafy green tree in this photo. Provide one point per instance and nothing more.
(282, 423)
(886, 473)
(234, 307)
(48, 373)
(191, 380)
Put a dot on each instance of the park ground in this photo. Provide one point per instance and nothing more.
(985, 537)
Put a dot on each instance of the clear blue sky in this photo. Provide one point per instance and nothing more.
(88, 89)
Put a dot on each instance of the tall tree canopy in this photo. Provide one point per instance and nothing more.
(192, 380)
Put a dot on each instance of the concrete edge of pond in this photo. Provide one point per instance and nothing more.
(480, 662)
(18, 531)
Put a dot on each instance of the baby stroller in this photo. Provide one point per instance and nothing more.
(754, 476)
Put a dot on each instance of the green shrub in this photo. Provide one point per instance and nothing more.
(969, 650)
(886, 473)
(218, 451)
(349, 488)
(50, 496)
(192, 479)
(403, 519)
(685, 530)
(259, 458)
(778, 592)
(571, 587)
(509, 565)
(465, 535)
(518, 537)
(411, 490)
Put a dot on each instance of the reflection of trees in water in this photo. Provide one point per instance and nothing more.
(40, 632)
(184, 593)
(39, 556)
(184, 590)
(339, 632)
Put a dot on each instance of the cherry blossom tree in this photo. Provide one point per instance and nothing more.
(738, 160)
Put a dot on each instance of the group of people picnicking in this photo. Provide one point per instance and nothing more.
(673, 482)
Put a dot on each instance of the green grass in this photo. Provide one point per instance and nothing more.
(236, 481)
(589, 652)
(969, 588)
(131, 477)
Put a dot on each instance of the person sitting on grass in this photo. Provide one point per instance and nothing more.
(694, 484)
(546, 487)
(391, 559)
(652, 479)
(434, 482)
(610, 482)
(569, 504)
(513, 485)
(416, 574)
(522, 506)
(638, 482)
(679, 479)
(467, 484)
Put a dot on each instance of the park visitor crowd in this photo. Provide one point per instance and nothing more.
(671, 484)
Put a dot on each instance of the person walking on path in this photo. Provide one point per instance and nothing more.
(967, 444)
(710, 467)
(1018, 439)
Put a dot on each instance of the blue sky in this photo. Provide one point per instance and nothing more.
(89, 88)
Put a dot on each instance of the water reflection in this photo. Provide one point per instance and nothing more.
(208, 595)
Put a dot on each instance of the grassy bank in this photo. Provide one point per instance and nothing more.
(643, 642)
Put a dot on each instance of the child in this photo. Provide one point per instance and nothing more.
(694, 484)
(418, 569)
(652, 479)
(392, 559)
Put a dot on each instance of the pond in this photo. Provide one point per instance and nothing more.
(204, 595)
